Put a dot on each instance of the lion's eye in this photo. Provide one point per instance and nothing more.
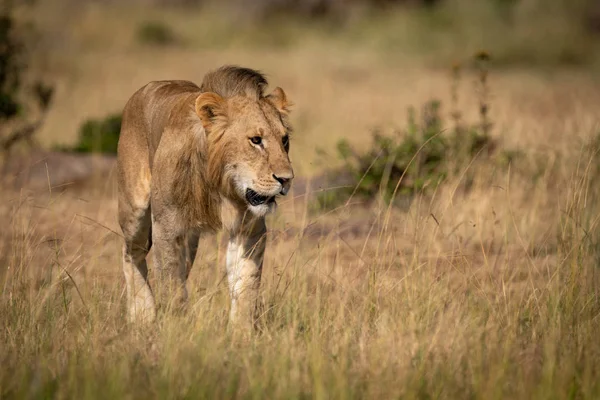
(256, 140)
(286, 142)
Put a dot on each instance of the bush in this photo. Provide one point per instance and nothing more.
(10, 68)
(419, 157)
(16, 91)
(407, 161)
(155, 33)
(98, 136)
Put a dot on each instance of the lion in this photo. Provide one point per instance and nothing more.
(193, 160)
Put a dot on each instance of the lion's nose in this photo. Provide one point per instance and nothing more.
(285, 182)
(281, 180)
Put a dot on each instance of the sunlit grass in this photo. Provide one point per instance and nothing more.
(485, 293)
(411, 306)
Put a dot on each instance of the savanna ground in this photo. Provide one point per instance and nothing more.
(480, 290)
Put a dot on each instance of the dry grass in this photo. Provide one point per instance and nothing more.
(491, 293)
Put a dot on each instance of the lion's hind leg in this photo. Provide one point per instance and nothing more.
(134, 182)
(136, 224)
(140, 301)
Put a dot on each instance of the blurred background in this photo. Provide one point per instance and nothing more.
(69, 66)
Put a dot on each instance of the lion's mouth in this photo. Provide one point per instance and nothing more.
(256, 199)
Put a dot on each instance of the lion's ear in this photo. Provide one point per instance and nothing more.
(210, 106)
(279, 100)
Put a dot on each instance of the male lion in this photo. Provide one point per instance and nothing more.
(193, 160)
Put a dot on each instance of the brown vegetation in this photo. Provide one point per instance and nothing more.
(490, 292)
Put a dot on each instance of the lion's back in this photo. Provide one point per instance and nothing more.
(148, 112)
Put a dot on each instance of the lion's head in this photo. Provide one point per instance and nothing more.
(248, 135)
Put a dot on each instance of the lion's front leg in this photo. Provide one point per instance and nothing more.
(174, 254)
(244, 266)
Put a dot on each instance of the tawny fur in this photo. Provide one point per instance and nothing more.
(185, 158)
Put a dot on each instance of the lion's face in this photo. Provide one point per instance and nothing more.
(253, 145)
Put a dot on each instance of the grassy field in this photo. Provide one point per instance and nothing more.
(488, 292)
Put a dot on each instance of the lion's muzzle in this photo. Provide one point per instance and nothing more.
(256, 199)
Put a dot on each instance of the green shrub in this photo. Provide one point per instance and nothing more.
(98, 136)
(419, 157)
(11, 63)
(156, 33)
(17, 94)
(407, 161)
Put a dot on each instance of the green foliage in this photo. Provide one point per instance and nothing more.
(11, 65)
(14, 89)
(419, 157)
(156, 33)
(412, 160)
(98, 136)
